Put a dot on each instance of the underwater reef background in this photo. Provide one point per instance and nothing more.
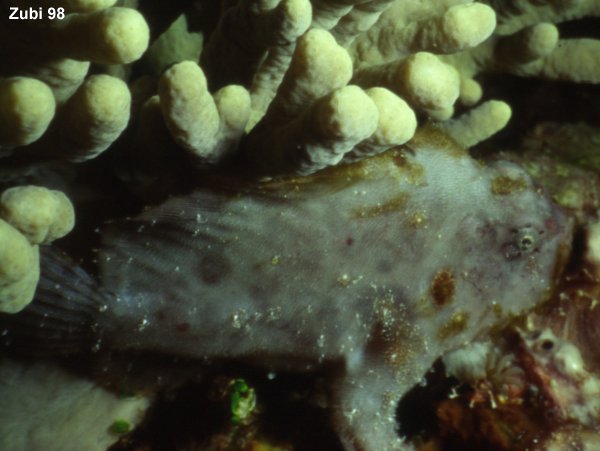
(108, 107)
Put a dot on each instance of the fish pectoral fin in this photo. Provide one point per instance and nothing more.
(63, 317)
(365, 410)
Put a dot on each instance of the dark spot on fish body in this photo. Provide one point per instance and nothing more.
(349, 241)
(399, 159)
(264, 290)
(442, 287)
(214, 266)
(182, 327)
(398, 345)
(384, 266)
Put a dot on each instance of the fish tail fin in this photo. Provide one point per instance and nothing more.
(63, 318)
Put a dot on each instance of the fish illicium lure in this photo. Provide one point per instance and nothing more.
(375, 269)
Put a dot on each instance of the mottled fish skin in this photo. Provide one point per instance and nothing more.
(376, 269)
(381, 266)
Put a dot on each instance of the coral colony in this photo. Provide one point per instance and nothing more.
(289, 184)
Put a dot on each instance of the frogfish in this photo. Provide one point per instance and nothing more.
(374, 269)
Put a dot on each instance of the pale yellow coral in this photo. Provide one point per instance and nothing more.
(411, 26)
(94, 118)
(30, 215)
(26, 109)
(422, 79)
(200, 123)
(320, 136)
(115, 35)
(175, 45)
(112, 35)
(315, 118)
(327, 13)
(396, 125)
(296, 18)
(40, 214)
(360, 18)
(319, 65)
(19, 269)
(63, 75)
(231, 57)
(56, 53)
(526, 43)
(478, 124)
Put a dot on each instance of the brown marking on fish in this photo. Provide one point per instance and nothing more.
(430, 137)
(414, 172)
(456, 325)
(394, 204)
(497, 309)
(504, 185)
(400, 160)
(442, 287)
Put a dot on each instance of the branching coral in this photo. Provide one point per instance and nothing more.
(49, 110)
(427, 54)
(54, 53)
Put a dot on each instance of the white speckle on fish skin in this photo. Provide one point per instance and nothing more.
(239, 319)
(321, 341)
(143, 324)
(97, 346)
(274, 313)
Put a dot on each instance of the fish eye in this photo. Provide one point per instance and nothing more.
(547, 345)
(522, 242)
(526, 243)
